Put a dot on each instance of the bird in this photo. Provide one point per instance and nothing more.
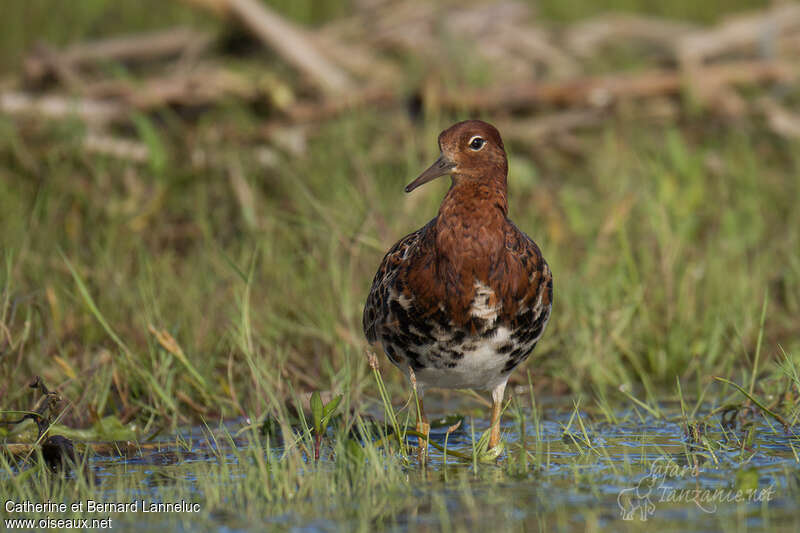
(462, 301)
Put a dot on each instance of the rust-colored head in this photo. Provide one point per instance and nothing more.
(471, 150)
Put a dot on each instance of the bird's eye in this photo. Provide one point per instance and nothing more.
(476, 143)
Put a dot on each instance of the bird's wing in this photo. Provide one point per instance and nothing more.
(525, 280)
(377, 306)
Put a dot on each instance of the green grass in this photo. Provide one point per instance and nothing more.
(664, 245)
(225, 278)
(701, 12)
(568, 478)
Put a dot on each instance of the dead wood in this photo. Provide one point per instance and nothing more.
(45, 60)
(603, 91)
(358, 60)
(202, 85)
(59, 107)
(318, 110)
(144, 47)
(780, 120)
(755, 34)
(588, 37)
(542, 127)
(117, 147)
(286, 39)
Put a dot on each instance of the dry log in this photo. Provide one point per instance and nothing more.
(312, 111)
(749, 32)
(286, 39)
(53, 106)
(592, 92)
(543, 127)
(129, 48)
(604, 90)
(560, 125)
(780, 120)
(201, 86)
(197, 88)
(119, 148)
(502, 35)
(358, 60)
(403, 26)
(587, 38)
(44, 59)
(534, 45)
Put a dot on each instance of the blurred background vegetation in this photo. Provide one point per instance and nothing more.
(188, 259)
(60, 23)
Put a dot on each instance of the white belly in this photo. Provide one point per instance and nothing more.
(482, 364)
(480, 368)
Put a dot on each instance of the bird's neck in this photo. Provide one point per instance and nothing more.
(472, 219)
(475, 198)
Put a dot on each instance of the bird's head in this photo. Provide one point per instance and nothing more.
(470, 150)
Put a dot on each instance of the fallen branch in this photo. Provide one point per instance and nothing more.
(308, 111)
(780, 120)
(586, 38)
(53, 106)
(119, 148)
(46, 60)
(146, 46)
(200, 86)
(749, 32)
(603, 91)
(593, 93)
(286, 39)
(545, 126)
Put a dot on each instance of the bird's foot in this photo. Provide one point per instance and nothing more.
(487, 453)
(490, 455)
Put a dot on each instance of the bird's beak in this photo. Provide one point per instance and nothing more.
(441, 167)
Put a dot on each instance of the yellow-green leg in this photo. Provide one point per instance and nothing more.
(423, 427)
(497, 407)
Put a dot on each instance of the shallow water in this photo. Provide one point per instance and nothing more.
(580, 472)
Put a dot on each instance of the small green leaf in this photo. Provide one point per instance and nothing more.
(328, 410)
(316, 410)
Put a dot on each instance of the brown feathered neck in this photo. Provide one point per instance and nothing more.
(470, 228)
(476, 197)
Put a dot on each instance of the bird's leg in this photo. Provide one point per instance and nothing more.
(423, 427)
(497, 406)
